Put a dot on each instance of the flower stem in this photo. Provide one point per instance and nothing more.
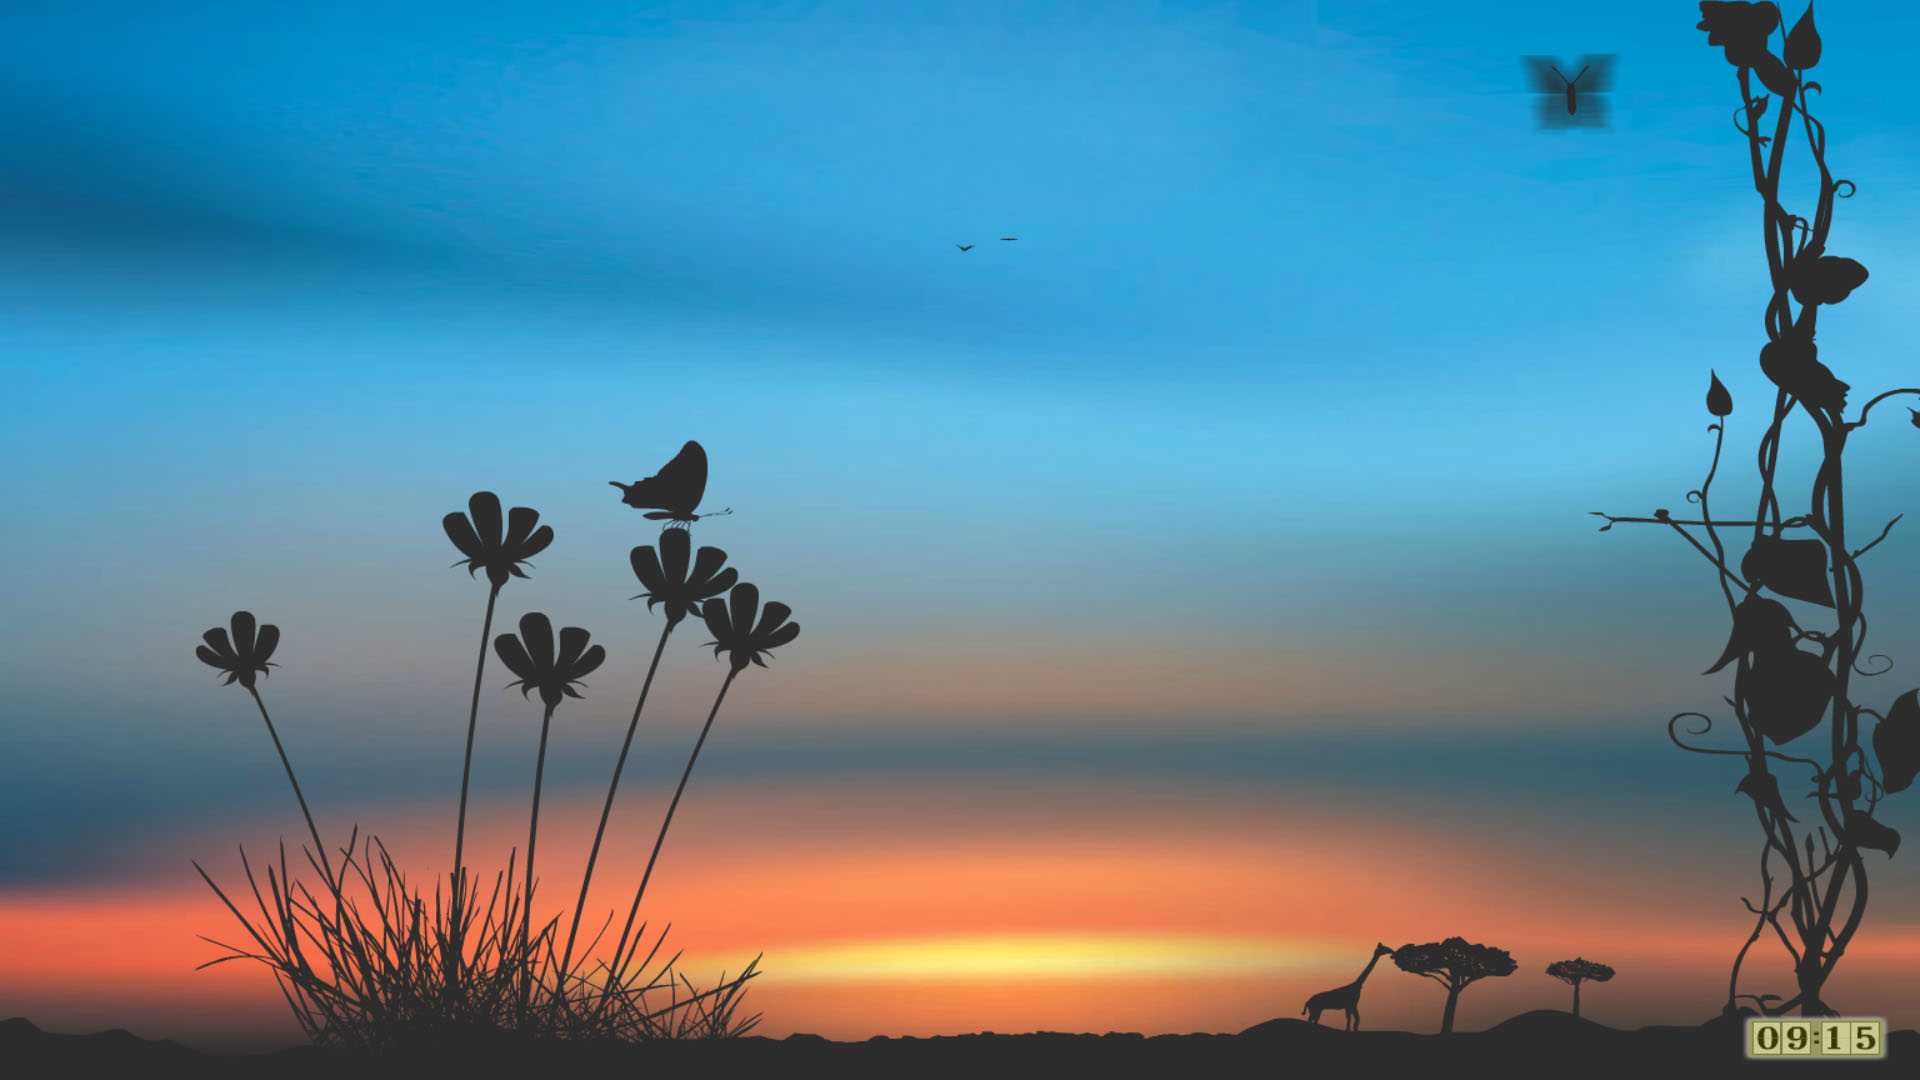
(466, 770)
(662, 838)
(326, 860)
(566, 958)
(533, 833)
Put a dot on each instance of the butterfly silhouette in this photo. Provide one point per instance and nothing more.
(964, 247)
(1580, 90)
(674, 491)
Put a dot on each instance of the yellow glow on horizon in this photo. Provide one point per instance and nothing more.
(1049, 956)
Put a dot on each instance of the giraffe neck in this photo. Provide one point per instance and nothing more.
(1368, 970)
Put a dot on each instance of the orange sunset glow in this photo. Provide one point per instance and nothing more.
(901, 908)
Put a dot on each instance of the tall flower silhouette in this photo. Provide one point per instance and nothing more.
(478, 534)
(243, 655)
(531, 656)
(668, 581)
(735, 631)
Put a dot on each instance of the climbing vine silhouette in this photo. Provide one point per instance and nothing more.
(1782, 692)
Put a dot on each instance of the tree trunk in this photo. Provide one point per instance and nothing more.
(1810, 985)
(1576, 997)
(1446, 1022)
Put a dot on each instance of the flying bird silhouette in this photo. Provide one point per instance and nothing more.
(674, 491)
(1009, 238)
(964, 247)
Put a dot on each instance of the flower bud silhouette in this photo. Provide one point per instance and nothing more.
(1719, 402)
(1803, 44)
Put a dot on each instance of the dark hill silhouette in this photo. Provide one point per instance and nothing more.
(1541, 1043)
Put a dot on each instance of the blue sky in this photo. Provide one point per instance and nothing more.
(1288, 405)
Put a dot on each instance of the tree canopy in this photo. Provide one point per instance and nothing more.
(1578, 970)
(1454, 962)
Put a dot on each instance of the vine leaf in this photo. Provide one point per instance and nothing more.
(1896, 742)
(1818, 278)
(1764, 790)
(1803, 44)
(1759, 625)
(1786, 691)
(1865, 832)
(1793, 363)
(1774, 74)
(1915, 417)
(1719, 402)
(1796, 569)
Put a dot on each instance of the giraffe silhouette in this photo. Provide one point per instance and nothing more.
(1344, 997)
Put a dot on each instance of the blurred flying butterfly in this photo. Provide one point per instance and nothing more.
(1579, 86)
(674, 491)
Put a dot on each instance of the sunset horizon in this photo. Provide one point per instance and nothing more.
(964, 517)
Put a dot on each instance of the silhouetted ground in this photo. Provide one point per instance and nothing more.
(1536, 1044)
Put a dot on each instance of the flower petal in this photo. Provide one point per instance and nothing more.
(485, 508)
(536, 633)
(217, 637)
(520, 523)
(514, 655)
(244, 626)
(716, 616)
(780, 637)
(673, 555)
(264, 645)
(721, 583)
(460, 531)
(706, 565)
(210, 658)
(772, 616)
(573, 642)
(586, 664)
(646, 567)
(536, 543)
(745, 601)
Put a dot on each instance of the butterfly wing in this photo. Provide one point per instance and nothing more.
(1541, 78)
(683, 481)
(1599, 76)
(1551, 113)
(677, 488)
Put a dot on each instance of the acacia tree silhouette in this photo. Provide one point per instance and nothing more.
(1780, 691)
(1455, 964)
(1577, 971)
